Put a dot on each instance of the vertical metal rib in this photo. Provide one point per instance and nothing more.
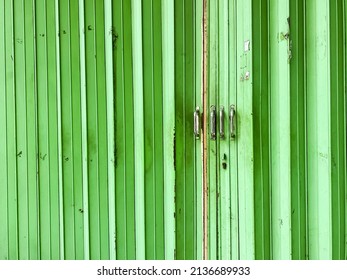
(168, 125)
(84, 130)
(318, 130)
(110, 127)
(280, 129)
(60, 152)
(138, 128)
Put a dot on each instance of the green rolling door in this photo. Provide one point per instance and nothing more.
(157, 62)
(98, 160)
(99, 104)
(278, 189)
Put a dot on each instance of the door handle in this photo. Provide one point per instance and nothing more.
(221, 122)
(197, 123)
(213, 122)
(232, 116)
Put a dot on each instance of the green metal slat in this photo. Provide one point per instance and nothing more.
(43, 99)
(188, 128)
(32, 234)
(224, 168)
(128, 123)
(233, 145)
(198, 8)
(153, 130)
(97, 130)
(184, 138)
(21, 128)
(280, 129)
(110, 127)
(158, 130)
(94, 186)
(318, 130)
(149, 129)
(212, 145)
(298, 130)
(47, 130)
(53, 129)
(102, 128)
(118, 64)
(180, 101)
(168, 30)
(59, 133)
(125, 215)
(338, 146)
(245, 133)
(67, 130)
(12, 172)
(76, 132)
(260, 46)
(138, 128)
(84, 129)
(4, 238)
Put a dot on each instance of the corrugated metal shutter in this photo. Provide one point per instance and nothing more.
(97, 157)
(158, 58)
(284, 192)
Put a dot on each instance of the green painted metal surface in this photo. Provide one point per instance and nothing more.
(98, 159)
(283, 193)
(188, 159)
(231, 185)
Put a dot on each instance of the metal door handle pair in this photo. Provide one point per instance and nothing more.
(232, 118)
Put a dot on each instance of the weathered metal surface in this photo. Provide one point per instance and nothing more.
(98, 159)
(283, 193)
